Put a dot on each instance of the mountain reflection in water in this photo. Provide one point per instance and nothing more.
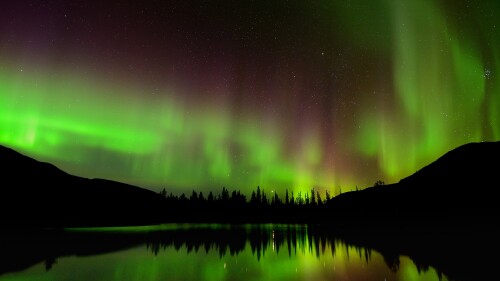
(199, 252)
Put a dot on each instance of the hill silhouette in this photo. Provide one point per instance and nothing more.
(38, 193)
(459, 186)
(433, 215)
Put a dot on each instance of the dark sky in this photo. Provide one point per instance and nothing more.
(281, 94)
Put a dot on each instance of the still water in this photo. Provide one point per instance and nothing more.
(199, 252)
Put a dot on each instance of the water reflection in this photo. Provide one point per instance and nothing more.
(193, 252)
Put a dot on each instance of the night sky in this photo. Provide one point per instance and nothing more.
(281, 94)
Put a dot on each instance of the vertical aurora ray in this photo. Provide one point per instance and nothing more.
(439, 89)
(494, 103)
(493, 81)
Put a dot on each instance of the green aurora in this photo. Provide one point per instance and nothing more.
(421, 79)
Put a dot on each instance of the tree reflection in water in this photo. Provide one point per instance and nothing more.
(283, 246)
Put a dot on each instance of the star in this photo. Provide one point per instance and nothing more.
(487, 74)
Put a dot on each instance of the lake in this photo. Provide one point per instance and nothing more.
(198, 252)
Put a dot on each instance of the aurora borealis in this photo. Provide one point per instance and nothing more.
(277, 94)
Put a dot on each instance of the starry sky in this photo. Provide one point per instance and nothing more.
(281, 94)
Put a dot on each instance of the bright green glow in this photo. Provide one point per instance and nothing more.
(39, 113)
(79, 123)
(336, 261)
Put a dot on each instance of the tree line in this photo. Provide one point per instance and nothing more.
(235, 207)
(258, 197)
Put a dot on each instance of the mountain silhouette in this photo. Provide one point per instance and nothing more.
(459, 186)
(433, 216)
(37, 193)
